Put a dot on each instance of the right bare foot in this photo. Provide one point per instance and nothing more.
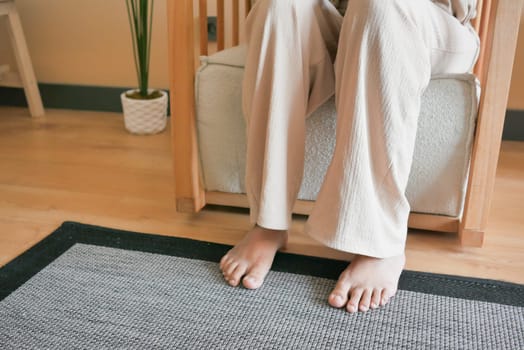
(367, 283)
(251, 259)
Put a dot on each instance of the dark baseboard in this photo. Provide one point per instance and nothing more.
(107, 99)
(514, 125)
(78, 97)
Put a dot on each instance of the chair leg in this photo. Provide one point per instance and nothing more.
(187, 205)
(470, 237)
(23, 60)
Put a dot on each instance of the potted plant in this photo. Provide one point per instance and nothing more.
(144, 109)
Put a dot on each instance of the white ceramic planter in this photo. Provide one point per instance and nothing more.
(144, 117)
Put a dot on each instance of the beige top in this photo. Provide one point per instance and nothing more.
(463, 10)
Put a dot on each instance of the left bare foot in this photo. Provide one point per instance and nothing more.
(250, 260)
(367, 283)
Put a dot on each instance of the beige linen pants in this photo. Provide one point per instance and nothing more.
(386, 52)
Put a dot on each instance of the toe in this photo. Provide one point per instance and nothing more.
(254, 278)
(236, 275)
(228, 270)
(339, 296)
(354, 300)
(375, 298)
(337, 299)
(365, 300)
(224, 262)
(386, 296)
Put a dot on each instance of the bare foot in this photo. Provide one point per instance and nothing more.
(252, 257)
(367, 283)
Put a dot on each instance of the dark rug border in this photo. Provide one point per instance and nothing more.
(22, 268)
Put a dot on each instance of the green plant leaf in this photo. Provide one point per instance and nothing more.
(140, 15)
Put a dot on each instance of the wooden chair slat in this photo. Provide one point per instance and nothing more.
(236, 22)
(202, 17)
(221, 30)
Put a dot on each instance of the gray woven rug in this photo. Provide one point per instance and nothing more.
(99, 297)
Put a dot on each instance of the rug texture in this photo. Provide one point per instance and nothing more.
(95, 288)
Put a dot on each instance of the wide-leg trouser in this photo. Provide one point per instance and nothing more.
(386, 52)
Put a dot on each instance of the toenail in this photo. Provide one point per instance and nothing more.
(336, 297)
(374, 306)
(363, 308)
(352, 308)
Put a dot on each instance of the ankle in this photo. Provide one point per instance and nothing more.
(271, 234)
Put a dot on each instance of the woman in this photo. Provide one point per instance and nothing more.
(377, 59)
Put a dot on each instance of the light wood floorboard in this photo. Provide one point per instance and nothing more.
(83, 166)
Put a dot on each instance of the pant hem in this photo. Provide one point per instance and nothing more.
(356, 249)
(271, 226)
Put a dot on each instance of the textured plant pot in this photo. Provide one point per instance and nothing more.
(144, 117)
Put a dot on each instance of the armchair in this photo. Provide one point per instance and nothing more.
(497, 24)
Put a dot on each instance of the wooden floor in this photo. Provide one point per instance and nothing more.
(83, 166)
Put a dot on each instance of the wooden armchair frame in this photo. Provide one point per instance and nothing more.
(497, 23)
